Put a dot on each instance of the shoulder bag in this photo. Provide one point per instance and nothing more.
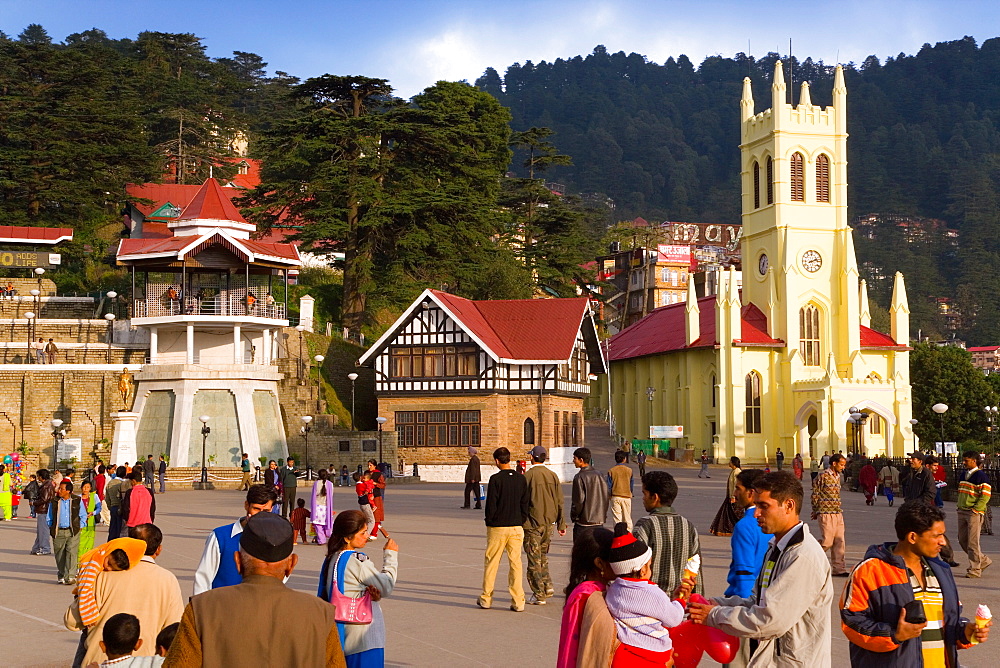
(347, 610)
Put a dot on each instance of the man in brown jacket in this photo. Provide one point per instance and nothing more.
(473, 476)
(621, 483)
(283, 627)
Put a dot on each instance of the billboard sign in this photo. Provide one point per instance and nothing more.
(673, 254)
(666, 431)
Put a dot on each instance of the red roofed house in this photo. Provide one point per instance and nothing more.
(213, 301)
(985, 358)
(452, 373)
(787, 360)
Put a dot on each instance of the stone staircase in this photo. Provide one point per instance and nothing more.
(50, 307)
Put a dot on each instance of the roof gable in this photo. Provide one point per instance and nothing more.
(211, 203)
(518, 331)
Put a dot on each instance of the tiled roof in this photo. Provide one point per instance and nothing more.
(663, 331)
(521, 329)
(37, 235)
(173, 245)
(211, 203)
(161, 193)
(983, 349)
(872, 339)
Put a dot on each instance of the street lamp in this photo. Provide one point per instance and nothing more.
(941, 409)
(205, 431)
(304, 430)
(650, 391)
(111, 298)
(381, 421)
(352, 377)
(300, 329)
(913, 430)
(56, 433)
(319, 381)
(29, 316)
(110, 317)
(38, 272)
(36, 294)
(991, 417)
(858, 418)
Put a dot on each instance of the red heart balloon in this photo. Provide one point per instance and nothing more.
(687, 650)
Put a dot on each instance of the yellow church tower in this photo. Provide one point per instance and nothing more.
(788, 360)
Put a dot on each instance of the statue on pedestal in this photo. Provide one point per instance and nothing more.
(126, 387)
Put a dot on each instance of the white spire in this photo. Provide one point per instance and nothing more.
(746, 104)
(778, 87)
(866, 316)
(899, 312)
(804, 99)
(692, 321)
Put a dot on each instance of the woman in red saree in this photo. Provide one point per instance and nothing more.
(868, 480)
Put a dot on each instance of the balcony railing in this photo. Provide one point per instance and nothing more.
(225, 305)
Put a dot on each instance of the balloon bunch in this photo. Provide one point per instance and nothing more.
(691, 641)
(13, 462)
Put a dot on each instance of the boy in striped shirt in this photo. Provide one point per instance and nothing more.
(973, 497)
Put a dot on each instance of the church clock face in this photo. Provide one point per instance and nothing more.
(811, 261)
(762, 264)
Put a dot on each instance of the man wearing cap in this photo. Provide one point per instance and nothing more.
(621, 484)
(279, 627)
(545, 508)
(218, 567)
(473, 476)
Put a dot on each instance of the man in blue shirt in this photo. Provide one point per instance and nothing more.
(218, 567)
(749, 542)
(66, 515)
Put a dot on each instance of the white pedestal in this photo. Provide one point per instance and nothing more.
(123, 442)
(307, 305)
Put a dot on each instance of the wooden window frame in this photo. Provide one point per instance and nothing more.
(528, 431)
(797, 180)
(770, 180)
(756, 184)
(439, 428)
(809, 335)
(753, 416)
(823, 178)
(442, 361)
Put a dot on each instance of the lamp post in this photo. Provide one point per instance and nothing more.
(650, 391)
(205, 431)
(56, 432)
(352, 377)
(36, 297)
(29, 316)
(319, 382)
(39, 272)
(991, 417)
(112, 295)
(300, 329)
(913, 428)
(859, 420)
(304, 430)
(941, 409)
(381, 421)
(110, 317)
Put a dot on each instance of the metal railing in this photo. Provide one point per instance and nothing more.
(222, 305)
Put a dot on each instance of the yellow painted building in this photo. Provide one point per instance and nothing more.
(782, 362)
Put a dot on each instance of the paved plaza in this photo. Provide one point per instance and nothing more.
(431, 617)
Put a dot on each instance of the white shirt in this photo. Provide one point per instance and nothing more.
(211, 558)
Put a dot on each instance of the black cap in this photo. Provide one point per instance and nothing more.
(267, 537)
(918, 455)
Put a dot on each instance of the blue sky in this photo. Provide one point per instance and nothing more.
(415, 43)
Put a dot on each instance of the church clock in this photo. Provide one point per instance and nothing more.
(762, 264)
(811, 261)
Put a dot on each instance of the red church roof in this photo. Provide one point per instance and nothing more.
(663, 331)
(211, 203)
(521, 329)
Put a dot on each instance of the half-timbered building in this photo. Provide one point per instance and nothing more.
(453, 373)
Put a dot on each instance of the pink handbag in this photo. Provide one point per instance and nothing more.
(348, 610)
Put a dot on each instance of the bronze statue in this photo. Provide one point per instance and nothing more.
(126, 386)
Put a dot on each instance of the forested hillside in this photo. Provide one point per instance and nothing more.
(661, 140)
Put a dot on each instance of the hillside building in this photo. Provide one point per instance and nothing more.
(453, 373)
(782, 361)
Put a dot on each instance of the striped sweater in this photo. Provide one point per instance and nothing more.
(974, 491)
(673, 540)
(642, 614)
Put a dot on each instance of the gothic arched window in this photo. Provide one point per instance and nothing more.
(822, 178)
(798, 178)
(770, 180)
(756, 184)
(529, 432)
(753, 403)
(809, 335)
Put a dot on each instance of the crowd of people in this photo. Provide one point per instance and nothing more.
(634, 595)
